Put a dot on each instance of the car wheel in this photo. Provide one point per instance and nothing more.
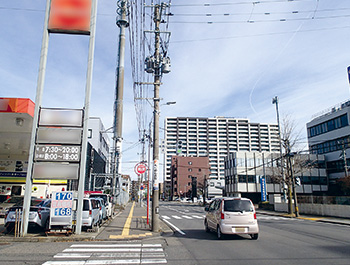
(10, 228)
(254, 236)
(218, 233)
(206, 226)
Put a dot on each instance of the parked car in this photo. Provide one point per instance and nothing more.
(103, 210)
(107, 201)
(39, 214)
(231, 216)
(7, 204)
(91, 213)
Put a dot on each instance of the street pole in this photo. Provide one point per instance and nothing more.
(156, 99)
(122, 23)
(275, 101)
(38, 100)
(293, 185)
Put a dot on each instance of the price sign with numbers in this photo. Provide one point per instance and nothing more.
(61, 208)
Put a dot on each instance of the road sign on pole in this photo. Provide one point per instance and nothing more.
(140, 168)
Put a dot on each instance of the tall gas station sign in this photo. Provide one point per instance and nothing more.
(59, 136)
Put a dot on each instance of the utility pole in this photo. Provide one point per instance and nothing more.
(157, 64)
(156, 99)
(122, 23)
(275, 101)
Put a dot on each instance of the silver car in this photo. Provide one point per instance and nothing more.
(231, 216)
(39, 215)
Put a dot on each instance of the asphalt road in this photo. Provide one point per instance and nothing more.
(281, 241)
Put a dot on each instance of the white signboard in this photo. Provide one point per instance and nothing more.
(61, 208)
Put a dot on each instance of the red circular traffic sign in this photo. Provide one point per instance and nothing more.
(140, 168)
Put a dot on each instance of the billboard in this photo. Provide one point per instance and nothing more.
(70, 16)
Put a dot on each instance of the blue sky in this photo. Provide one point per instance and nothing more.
(229, 68)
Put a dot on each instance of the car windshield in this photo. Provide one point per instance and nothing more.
(33, 202)
(238, 206)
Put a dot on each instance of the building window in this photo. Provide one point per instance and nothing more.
(242, 178)
(328, 126)
(190, 162)
(190, 169)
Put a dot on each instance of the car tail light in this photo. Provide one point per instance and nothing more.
(255, 216)
(222, 216)
(90, 212)
(39, 213)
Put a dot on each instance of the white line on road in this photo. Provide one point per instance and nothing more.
(166, 217)
(176, 217)
(187, 217)
(173, 226)
(198, 217)
(102, 250)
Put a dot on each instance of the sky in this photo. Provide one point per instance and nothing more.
(232, 67)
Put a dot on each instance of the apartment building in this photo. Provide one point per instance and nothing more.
(329, 134)
(216, 138)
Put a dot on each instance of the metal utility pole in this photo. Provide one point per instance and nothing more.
(156, 99)
(122, 23)
(275, 101)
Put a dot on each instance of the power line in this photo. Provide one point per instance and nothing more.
(243, 3)
(294, 12)
(262, 21)
(260, 35)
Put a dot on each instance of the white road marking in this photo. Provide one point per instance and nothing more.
(104, 254)
(187, 217)
(176, 217)
(198, 217)
(166, 217)
(173, 226)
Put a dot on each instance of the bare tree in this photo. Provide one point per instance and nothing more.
(292, 163)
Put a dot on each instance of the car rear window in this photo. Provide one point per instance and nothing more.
(238, 206)
(86, 206)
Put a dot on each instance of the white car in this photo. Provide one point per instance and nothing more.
(91, 213)
(231, 215)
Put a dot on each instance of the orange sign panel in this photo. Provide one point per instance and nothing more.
(17, 105)
(70, 16)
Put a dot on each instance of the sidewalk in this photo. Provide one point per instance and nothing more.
(130, 223)
(325, 219)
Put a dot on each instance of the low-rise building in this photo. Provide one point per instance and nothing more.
(189, 176)
(243, 171)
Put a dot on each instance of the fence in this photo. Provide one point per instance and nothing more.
(336, 200)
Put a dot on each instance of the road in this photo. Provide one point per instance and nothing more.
(281, 241)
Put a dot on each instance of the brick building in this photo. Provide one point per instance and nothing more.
(189, 174)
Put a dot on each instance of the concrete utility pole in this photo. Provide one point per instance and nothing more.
(122, 23)
(156, 99)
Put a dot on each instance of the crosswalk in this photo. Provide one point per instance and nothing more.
(198, 216)
(189, 217)
(101, 254)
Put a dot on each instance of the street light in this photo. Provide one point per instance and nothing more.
(275, 101)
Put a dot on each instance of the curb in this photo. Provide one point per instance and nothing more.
(322, 219)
